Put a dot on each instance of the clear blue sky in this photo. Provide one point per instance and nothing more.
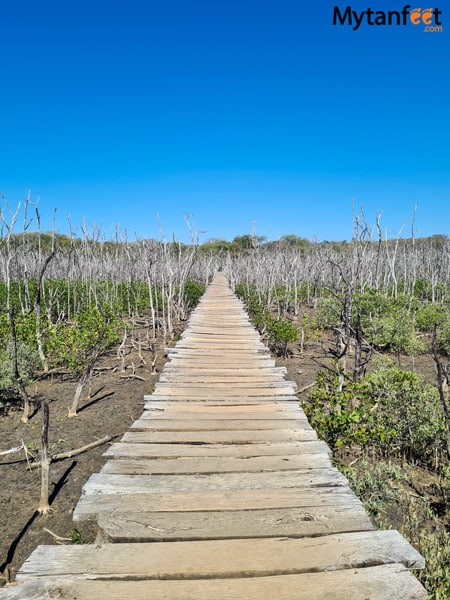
(233, 112)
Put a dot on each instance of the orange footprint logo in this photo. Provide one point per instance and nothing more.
(427, 16)
(415, 16)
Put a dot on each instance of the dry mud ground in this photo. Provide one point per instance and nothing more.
(115, 402)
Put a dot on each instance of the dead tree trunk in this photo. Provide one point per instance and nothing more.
(15, 365)
(38, 301)
(44, 507)
(442, 376)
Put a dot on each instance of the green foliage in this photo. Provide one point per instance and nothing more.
(328, 313)
(376, 484)
(74, 344)
(435, 548)
(411, 408)
(388, 323)
(280, 331)
(430, 315)
(215, 246)
(385, 488)
(192, 293)
(76, 537)
(27, 360)
(390, 412)
(343, 417)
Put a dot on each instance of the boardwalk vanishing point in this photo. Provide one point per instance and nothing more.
(222, 491)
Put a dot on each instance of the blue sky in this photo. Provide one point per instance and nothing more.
(234, 112)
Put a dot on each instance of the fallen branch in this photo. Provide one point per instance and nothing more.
(132, 377)
(76, 451)
(306, 387)
(12, 450)
(57, 537)
(70, 453)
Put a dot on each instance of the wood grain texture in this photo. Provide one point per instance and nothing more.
(136, 450)
(223, 558)
(386, 582)
(91, 505)
(216, 525)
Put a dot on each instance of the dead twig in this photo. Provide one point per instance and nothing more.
(306, 387)
(132, 377)
(76, 451)
(70, 453)
(12, 450)
(57, 537)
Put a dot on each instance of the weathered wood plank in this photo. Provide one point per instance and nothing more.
(90, 505)
(149, 526)
(227, 362)
(221, 368)
(140, 450)
(201, 408)
(193, 424)
(228, 379)
(223, 558)
(104, 483)
(386, 582)
(231, 400)
(243, 436)
(182, 387)
(295, 414)
(187, 465)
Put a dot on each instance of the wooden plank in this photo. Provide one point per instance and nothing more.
(232, 400)
(294, 418)
(223, 558)
(227, 362)
(104, 483)
(182, 387)
(225, 379)
(90, 505)
(220, 369)
(142, 450)
(186, 465)
(210, 392)
(219, 437)
(262, 356)
(174, 407)
(174, 424)
(137, 527)
(375, 583)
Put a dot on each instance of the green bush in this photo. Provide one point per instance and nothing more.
(27, 362)
(73, 344)
(192, 293)
(281, 332)
(385, 489)
(429, 315)
(389, 412)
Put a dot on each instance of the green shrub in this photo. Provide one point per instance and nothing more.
(429, 315)
(73, 344)
(389, 412)
(385, 489)
(281, 332)
(192, 293)
(27, 362)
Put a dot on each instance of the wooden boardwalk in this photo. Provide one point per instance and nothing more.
(222, 491)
